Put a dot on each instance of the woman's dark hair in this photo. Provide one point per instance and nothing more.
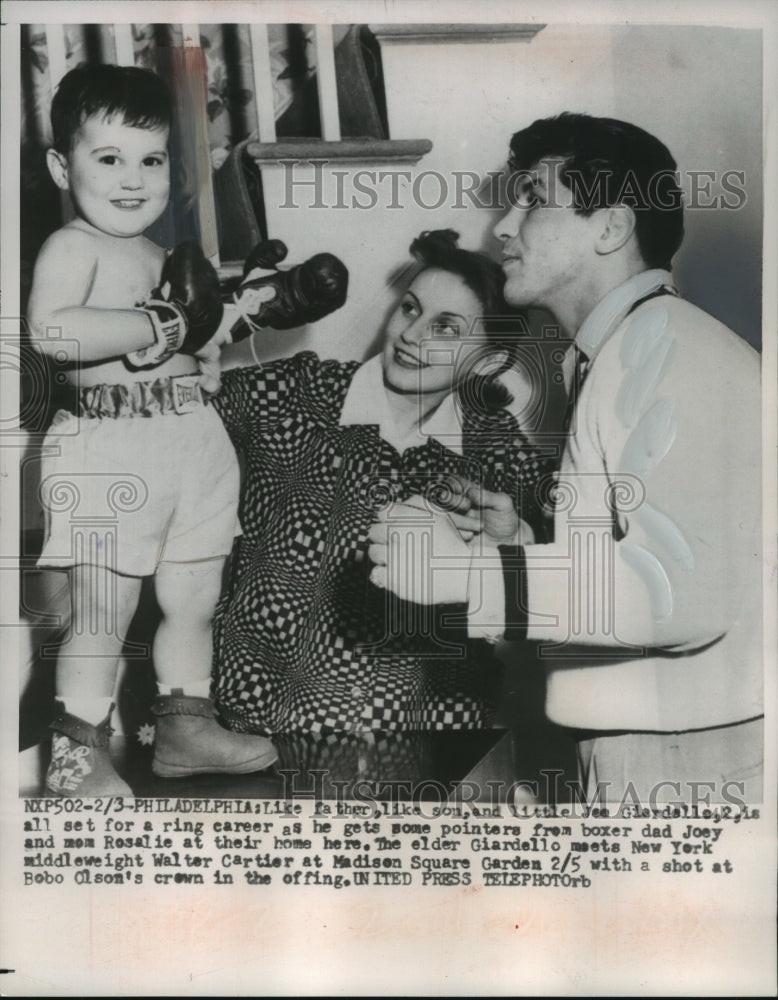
(500, 324)
(608, 162)
(138, 95)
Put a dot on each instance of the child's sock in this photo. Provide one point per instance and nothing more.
(191, 689)
(91, 710)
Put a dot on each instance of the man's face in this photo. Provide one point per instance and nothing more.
(547, 248)
(118, 175)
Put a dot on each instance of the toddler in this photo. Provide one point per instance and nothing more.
(143, 443)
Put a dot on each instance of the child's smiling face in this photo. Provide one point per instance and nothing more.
(118, 175)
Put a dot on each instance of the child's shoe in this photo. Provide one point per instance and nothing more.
(189, 740)
(80, 765)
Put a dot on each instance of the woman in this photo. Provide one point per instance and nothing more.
(304, 642)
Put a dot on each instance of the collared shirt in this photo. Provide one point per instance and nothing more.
(601, 322)
(613, 307)
(367, 403)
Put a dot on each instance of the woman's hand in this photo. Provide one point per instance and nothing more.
(209, 363)
(478, 511)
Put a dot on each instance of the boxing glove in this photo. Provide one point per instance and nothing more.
(185, 309)
(286, 299)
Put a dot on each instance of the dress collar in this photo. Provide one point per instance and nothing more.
(612, 309)
(367, 403)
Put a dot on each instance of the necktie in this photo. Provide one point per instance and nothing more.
(575, 366)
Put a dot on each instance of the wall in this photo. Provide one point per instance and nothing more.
(705, 101)
(699, 89)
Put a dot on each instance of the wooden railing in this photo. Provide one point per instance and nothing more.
(260, 53)
(267, 149)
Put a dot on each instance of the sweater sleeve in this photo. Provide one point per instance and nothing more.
(657, 527)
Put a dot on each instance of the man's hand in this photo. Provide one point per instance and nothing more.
(480, 512)
(419, 554)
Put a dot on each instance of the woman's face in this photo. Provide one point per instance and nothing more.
(430, 334)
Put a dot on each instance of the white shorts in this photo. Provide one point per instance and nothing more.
(129, 493)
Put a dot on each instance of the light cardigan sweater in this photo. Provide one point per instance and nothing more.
(649, 600)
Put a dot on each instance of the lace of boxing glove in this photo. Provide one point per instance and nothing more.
(290, 298)
(257, 286)
(185, 310)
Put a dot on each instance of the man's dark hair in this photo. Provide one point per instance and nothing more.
(137, 95)
(606, 162)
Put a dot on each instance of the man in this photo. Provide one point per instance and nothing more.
(648, 601)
